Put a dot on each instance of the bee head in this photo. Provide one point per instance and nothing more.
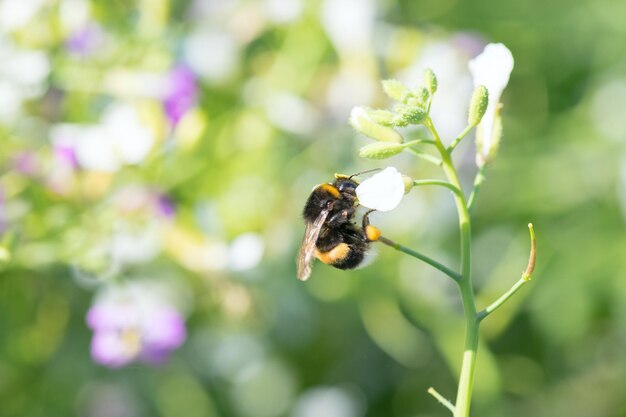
(346, 185)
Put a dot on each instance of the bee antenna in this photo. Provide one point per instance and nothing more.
(364, 172)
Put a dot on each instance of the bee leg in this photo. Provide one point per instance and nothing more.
(370, 232)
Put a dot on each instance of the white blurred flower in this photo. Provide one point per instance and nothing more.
(133, 140)
(492, 69)
(382, 191)
(211, 54)
(132, 248)
(350, 86)
(23, 74)
(449, 63)
(349, 23)
(28, 68)
(245, 252)
(329, 401)
(10, 102)
(283, 11)
(120, 139)
(74, 14)
(16, 13)
(95, 150)
(291, 113)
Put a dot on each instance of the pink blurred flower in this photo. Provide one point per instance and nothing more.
(143, 201)
(65, 154)
(61, 174)
(134, 322)
(26, 163)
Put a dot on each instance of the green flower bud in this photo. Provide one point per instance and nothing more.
(411, 114)
(395, 89)
(422, 95)
(399, 121)
(361, 121)
(382, 117)
(380, 150)
(430, 80)
(487, 145)
(413, 102)
(478, 105)
(408, 183)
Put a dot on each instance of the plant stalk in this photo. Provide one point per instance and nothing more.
(430, 261)
(466, 378)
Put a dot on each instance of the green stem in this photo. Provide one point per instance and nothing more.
(500, 301)
(459, 138)
(444, 401)
(437, 182)
(478, 181)
(466, 378)
(526, 276)
(430, 261)
(418, 141)
(425, 156)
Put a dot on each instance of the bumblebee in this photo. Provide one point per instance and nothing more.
(330, 234)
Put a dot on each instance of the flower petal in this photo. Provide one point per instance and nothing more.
(492, 68)
(109, 349)
(382, 191)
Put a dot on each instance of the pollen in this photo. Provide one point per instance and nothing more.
(372, 233)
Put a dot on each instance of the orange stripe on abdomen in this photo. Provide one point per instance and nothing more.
(335, 255)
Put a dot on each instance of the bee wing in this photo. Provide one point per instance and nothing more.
(305, 257)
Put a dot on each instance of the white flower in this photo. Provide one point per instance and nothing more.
(492, 69)
(382, 191)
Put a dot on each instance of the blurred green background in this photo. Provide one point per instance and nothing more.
(99, 131)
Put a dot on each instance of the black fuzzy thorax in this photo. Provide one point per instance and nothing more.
(341, 210)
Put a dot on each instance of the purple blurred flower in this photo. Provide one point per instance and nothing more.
(165, 206)
(65, 154)
(181, 94)
(134, 322)
(60, 177)
(85, 41)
